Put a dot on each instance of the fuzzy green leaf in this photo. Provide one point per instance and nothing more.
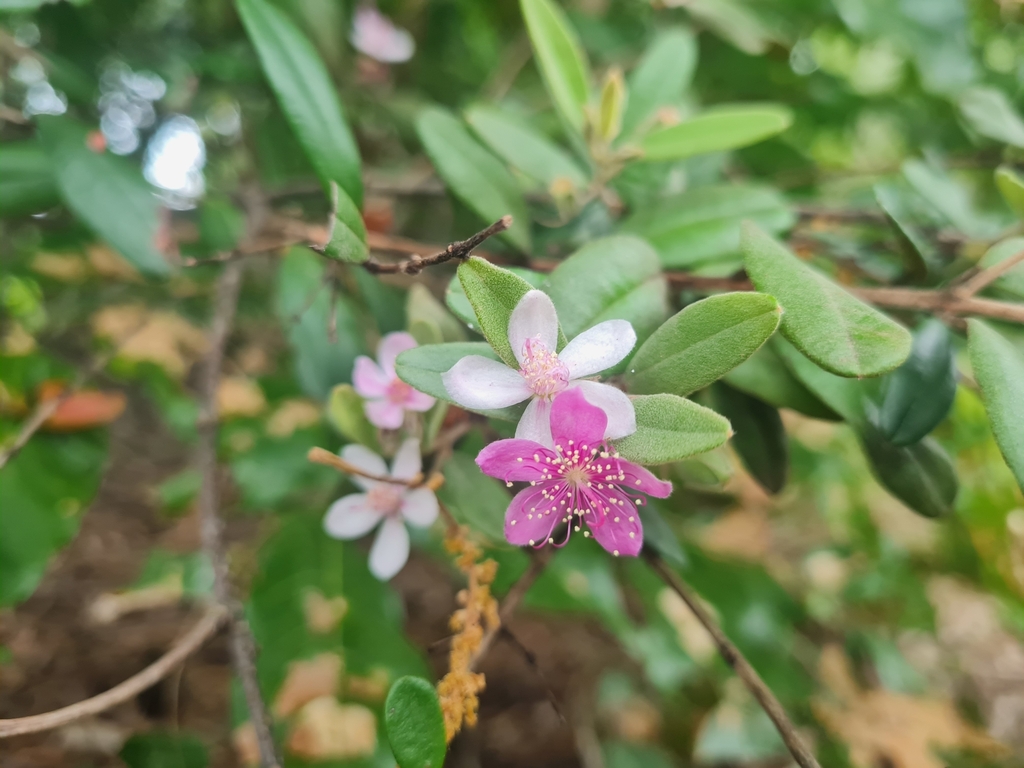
(717, 130)
(457, 301)
(670, 428)
(844, 396)
(415, 724)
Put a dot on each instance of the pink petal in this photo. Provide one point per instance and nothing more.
(531, 518)
(390, 347)
(368, 379)
(533, 318)
(350, 517)
(535, 423)
(385, 414)
(419, 507)
(618, 530)
(363, 458)
(573, 418)
(640, 479)
(375, 35)
(599, 348)
(419, 401)
(483, 384)
(408, 462)
(616, 406)
(514, 460)
(390, 549)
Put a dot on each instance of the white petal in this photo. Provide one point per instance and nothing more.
(536, 422)
(390, 549)
(533, 318)
(477, 382)
(616, 405)
(419, 507)
(599, 348)
(407, 463)
(350, 517)
(366, 460)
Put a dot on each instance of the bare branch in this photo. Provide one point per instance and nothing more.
(328, 459)
(460, 250)
(986, 276)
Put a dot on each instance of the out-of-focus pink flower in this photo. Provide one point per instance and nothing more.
(391, 505)
(375, 35)
(580, 477)
(387, 396)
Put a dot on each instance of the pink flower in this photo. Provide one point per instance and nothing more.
(387, 396)
(482, 384)
(581, 476)
(391, 505)
(375, 35)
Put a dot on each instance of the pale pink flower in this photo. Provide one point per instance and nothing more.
(581, 478)
(482, 384)
(391, 505)
(375, 35)
(387, 396)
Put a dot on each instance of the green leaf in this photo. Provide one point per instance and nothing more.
(949, 198)
(920, 475)
(844, 396)
(716, 130)
(612, 278)
(474, 175)
(702, 342)
(347, 413)
(27, 183)
(837, 331)
(702, 226)
(764, 376)
(474, 498)
(999, 369)
(493, 293)
(307, 96)
(661, 77)
(524, 148)
(989, 112)
(738, 22)
(1011, 186)
(422, 307)
(415, 724)
(422, 368)
(1011, 282)
(457, 301)
(560, 59)
(105, 192)
(759, 437)
(916, 249)
(918, 394)
(346, 240)
(659, 536)
(221, 224)
(164, 750)
(670, 428)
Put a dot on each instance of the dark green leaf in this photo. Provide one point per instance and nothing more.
(164, 750)
(759, 437)
(658, 535)
(920, 475)
(670, 428)
(415, 724)
(717, 130)
(474, 498)
(27, 183)
(661, 76)
(764, 376)
(221, 225)
(915, 247)
(560, 59)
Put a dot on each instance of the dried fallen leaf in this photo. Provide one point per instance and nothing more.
(292, 415)
(323, 614)
(247, 746)
(373, 687)
(694, 639)
(17, 342)
(327, 730)
(164, 338)
(85, 409)
(107, 262)
(66, 267)
(306, 680)
(239, 396)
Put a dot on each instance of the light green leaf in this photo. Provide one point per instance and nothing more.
(717, 130)
(661, 77)
(308, 97)
(347, 413)
(759, 437)
(560, 59)
(347, 237)
(1011, 282)
(702, 226)
(421, 306)
(764, 376)
(523, 147)
(473, 174)
(670, 428)
(837, 331)
(27, 183)
(999, 369)
(1011, 186)
(415, 724)
(612, 278)
(921, 475)
(844, 396)
(737, 22)
(474, 498)
(458, 303)
(702, 342)
(949, 198)
(105, 192)
(989, 112)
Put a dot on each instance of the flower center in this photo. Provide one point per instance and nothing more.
(577, 476)
(545, 374)
(398, 391)
(385, 498)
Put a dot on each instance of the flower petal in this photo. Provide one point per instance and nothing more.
(350, 517)
(616, 406)
(366, 460)
(390, 347)
(477, 382)
(599, 348)
(533, 318)
(530, 518)
(390, 549)
(419, 401)
(535, 424)
(575, 419)
(384, 414)
(618, 529)
(408, 462)
(419, 507)
(512, 460)
(638, 478)
(368, 379)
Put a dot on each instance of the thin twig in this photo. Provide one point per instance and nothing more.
(243, 646)
(738, 662)
(129, 689)
(986, 276)
(328, 459)
(460, 250)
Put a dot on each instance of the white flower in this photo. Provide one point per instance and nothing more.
(375, 35)
(482, 384)
(395, 504)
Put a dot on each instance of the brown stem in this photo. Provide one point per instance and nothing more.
(129, 689)
(986, 276)
(459, 250)
(738, 662)
(243, 646)
(328, 459)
